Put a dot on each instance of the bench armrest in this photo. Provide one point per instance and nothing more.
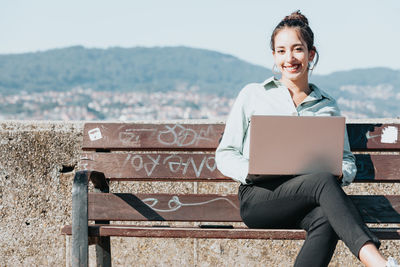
(80, 219)
(80, 212)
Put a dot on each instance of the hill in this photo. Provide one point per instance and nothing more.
(358, 77)
(364, 93)
(127, 69)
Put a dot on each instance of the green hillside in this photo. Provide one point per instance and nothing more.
(358, 77)
(127, 69)
(154, 69)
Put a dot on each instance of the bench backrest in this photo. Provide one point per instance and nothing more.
(185, 152)
(181, 151)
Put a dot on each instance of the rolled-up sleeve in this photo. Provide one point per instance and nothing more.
(229, 154)
(349, 168)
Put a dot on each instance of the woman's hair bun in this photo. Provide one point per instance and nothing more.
(296, 15)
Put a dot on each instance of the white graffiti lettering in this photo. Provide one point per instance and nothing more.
(153, 164)
(211, 168)
(174, 166)
(174, 163)
(137, 166)
(175, 204)
(129, 138)
(181, 136)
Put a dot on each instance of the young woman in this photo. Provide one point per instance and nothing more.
(314, 202)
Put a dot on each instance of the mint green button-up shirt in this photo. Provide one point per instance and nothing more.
(271, 98)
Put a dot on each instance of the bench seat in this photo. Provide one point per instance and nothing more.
(213, 231)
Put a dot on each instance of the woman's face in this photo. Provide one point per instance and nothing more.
(291, 55)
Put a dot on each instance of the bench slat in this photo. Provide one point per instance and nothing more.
(144, 136)
(192, 166)
(165, 207)
(377, 168)
(210, 208)
(127, 136)
(197, 232)
(154, 166)
(374, 136)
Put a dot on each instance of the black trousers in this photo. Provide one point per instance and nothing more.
(315, 203)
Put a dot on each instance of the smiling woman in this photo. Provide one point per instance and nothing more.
(314, 202)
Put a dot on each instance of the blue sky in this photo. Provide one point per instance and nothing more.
(349, 33)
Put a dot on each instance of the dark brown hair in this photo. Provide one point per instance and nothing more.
(300, 23)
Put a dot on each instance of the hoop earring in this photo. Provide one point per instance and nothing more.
(276, 72)
(311, 67)
(312, 64)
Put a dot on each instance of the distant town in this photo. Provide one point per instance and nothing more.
(187, 103)
(87, 104)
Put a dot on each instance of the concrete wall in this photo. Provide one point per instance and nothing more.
(35, 201)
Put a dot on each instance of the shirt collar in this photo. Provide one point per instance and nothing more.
(271, 83)
(316, 93)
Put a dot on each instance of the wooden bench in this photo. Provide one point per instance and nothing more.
(185, 152)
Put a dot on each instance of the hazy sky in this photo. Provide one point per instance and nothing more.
(349, 33)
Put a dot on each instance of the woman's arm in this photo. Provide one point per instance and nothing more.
(228, 156)
(349, 168)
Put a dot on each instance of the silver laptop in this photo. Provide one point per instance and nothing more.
(293, 145)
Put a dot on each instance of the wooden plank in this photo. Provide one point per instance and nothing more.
(154, 166)
(210, 208)
(387, 233)
(374, 136)
(163, 207)
(378, 208)
(196, 166)
(235, 233)
(206, 136)
(377, 168)
(192, 232)
(145, 136)
(93, 231)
